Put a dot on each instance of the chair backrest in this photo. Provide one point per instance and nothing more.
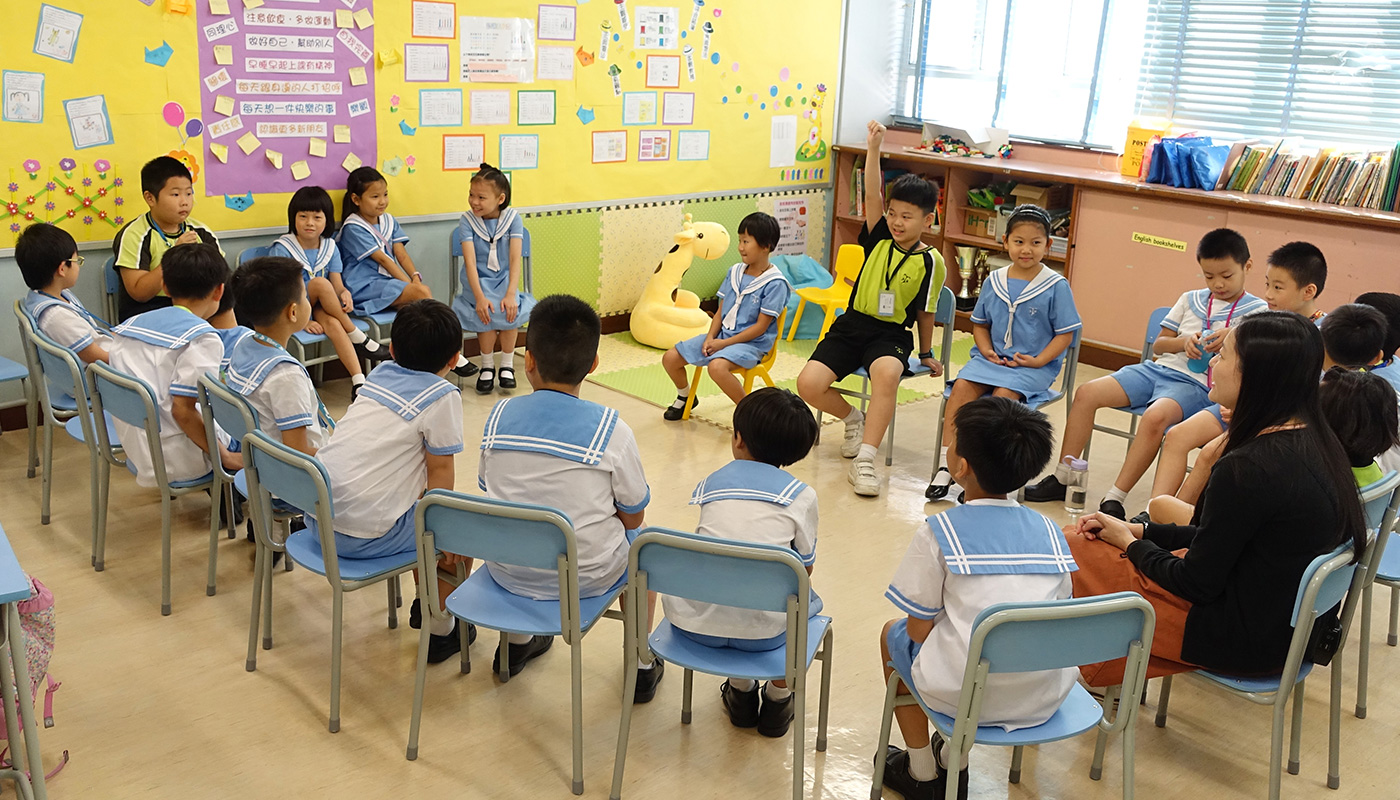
(526, 280)
(276, 470)
(946, 313)
(61, 367)
(26, 341)
(112, 285)
(1154, 328)
(497, 530)
(849, 259)
(739, 574)
(131, 400)
(231, 410)
(1324, 584)
(1071, 365)
(250, 253)
(1028, 637)
(1381, 501)
(772, 355)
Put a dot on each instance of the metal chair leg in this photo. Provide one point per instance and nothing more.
(31, 413)
(165, 554)
(420, 679)
(48, 474)
(218, 502)
(624, 726)
(799, 733)
(1163, 697)
(393, 609)
(337, 609)
(99, 539)
(886, 721)
(687, 684)
(826, 690)
(576, 706)
(1363, 655)
(1296, 730)
(1016, 753)
(259, 557)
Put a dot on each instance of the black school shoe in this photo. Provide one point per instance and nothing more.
(742, 706)
(936, 491)
(522, 654)
(486, 381)
(1141, 519)
(441, 648)
(415, 614)
(775, 716)
(1113, 508)
(647, 681)
(1047, 489)
(507, 379)
(466, 370)
(673, 413)
(380, 353)
(897, 777)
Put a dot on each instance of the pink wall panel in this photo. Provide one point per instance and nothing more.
(1358, 259)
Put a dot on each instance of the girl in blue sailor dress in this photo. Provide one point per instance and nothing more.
(490, 303)
(1024, 321)
(752, 296)
(377, 269)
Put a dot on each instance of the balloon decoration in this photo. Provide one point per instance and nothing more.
(174, 115)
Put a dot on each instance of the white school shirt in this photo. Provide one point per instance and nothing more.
(278, 388)
(748, 501)
(1188, 316)
(376, 457)
(68, 324)
(170, 372)
(924, 587)
(577, 457)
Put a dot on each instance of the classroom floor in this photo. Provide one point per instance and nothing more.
(161, 707)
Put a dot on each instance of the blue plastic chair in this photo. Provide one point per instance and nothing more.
(520, 535)
(1382, 503)
(43, 399)
(1329, 580)
(132, 401)
(458, 261)
(15, 371)
(1154, 328)
(944, 316)
(739, 574)
(218, 404)
(111, 287)
(1030, 637)
(275, 470)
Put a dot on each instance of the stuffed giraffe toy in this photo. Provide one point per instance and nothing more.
(667, 314)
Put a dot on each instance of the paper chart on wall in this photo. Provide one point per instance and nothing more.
(658, 28)
(558, 23)
(678, 108)
(440, 107)
(23, 96)
(57, 34)
(639, 108)
(490, 108)
(434, 20)
(88, 121)
(663, 72)
(791, 213)
(497, 50)
(555, 63)
(427, 63)
(534, 108)
(520, 151)
(782, 143)
(654, 146)
(692, 145)
(609, 146)
(463, 152)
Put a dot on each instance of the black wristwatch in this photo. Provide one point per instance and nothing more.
(926, 354)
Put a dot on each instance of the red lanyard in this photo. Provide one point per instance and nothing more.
(1210, 303)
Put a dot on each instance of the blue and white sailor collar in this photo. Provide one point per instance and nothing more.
(553, 423)
(1013, 540)
(1204, 305)
(491, 237)
(406, 392)
(382, 231)
(999, 280)
(172, 327)
(249, 364)
(324, 254)
(748, 480)
(736, 276)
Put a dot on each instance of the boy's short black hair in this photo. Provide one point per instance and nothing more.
(916, 190)
(1004, 442)
(193, 271)
(762, 228)
(262, 289)
(427, 336)
(40, 251)
(311, 198)
(776, 426)
(159, 170)
(1304, 262)
(1360, 408)
(563, 338)
(1389, 305)
(1353, 334)
(1223, 243)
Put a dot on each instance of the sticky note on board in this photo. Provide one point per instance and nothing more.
(250, 4)
(390, 56)
(223, 105)
(248, 143)
(223, 54)
(301, 171)
(218, 8)
(357, 78)
(352, 162)
(178, 6)
(342, 134)
(274, 158)
(318, 148)
(220, 151)
(344, 19)
(363, 19)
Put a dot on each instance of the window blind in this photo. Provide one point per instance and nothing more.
(1328, 70)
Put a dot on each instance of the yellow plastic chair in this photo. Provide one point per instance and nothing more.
(849, 259)
(759, 370)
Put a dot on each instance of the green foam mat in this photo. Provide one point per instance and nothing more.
(566, 254)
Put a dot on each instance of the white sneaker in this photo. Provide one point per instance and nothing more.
(855, 434)
(863, 477)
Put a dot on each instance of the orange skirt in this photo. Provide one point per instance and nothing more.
(1104, 569)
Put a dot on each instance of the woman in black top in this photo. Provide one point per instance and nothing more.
(1280, 495)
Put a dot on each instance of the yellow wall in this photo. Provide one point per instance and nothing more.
(761, 38)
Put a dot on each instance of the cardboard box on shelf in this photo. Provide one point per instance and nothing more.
(1055, 196)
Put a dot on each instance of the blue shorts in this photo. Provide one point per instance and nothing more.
(814, 608)
(400, 538)
(903, 650)
(1147, 383)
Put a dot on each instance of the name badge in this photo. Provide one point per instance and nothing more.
(886, 306)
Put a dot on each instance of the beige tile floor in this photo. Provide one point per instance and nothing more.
(161, 707)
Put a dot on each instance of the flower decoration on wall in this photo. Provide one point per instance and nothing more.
(190, 160)
(67, 165)
(411, 162)
(32, 167)
(69, 192)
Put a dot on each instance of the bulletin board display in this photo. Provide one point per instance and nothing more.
(580, 102)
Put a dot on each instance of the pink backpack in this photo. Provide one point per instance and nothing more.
(36, 622)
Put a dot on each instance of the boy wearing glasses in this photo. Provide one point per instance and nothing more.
(48, 258)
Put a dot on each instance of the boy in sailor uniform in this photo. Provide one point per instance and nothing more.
(577, 456)
(396, 441)
(752, 499)
(991, 550)
(752, 297)
(1173, 387)
(49, 261)
(170, 348)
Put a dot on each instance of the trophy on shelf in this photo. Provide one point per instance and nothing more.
(967, 267)
(980, 270)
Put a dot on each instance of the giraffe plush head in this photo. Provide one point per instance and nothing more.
(707, 239)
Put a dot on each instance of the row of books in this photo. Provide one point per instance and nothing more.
(1287, 168)
(857, 192)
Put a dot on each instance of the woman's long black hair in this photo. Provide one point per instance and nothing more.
(1280, 359)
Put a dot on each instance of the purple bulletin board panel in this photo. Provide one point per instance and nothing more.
(289, 79)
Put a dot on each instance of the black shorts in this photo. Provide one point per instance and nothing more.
(856, 340)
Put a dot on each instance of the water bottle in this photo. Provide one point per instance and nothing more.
(1077, 489)
(1201, 363)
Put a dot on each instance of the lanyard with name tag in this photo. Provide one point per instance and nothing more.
(886, 300)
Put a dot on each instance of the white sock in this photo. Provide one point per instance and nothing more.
(867, 452)
(922, 765)
(461, 361)
(1063, 473)
(357, 336)
(486, 361)
(854, 417)
(742, 684)
(520, 638)
(778, 693)
(680, 401)
(640, 665)
(1116, 494)
(357, 380)
(943, 458)
(441, 627)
